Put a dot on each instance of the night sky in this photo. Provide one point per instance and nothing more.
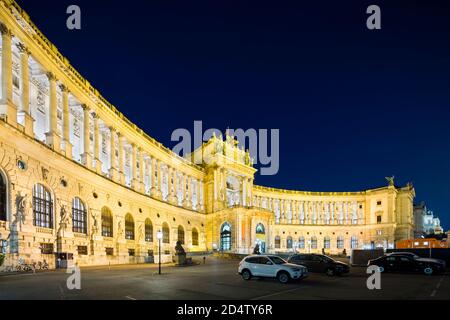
(352, 105)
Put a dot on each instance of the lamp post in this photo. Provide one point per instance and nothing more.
(159, 235)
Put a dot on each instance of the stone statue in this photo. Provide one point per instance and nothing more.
(141, 232)
(120, 229)
(390, 180)
(179, 249)
(21, 206)
(247, 158)
(94, 224)
(64, 214)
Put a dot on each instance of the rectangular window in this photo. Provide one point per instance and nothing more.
(109, 251)
(131, 252)
(378, 203)
(82, 250)
(378, 219)
(46, 248)
(16, 82)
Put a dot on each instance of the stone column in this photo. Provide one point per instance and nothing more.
(200, 206)
(153, 177)
(185, 189)
(141, 171)
(172, 198)
(121, 160)
(86, 157)
(159, 178)
(98, 162)
(66, 122)
(113, 174)
(134, 178)
(249, 192)
(24, 111)
(52, 137)
(7, 107)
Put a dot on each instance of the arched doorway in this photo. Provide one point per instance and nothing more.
(261, 237)
(225, 237)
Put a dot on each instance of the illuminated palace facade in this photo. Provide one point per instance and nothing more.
(77, 177)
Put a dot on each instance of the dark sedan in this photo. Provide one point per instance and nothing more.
(407, 263)
(320, 263)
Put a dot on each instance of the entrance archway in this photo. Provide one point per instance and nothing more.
(261, 237)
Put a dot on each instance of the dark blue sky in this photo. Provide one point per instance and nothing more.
(352, 105)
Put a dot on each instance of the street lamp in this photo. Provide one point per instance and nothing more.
(159, 235)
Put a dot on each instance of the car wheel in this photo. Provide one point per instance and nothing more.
(246, 274)
(329, 272)
(283, 277)
(428, 271)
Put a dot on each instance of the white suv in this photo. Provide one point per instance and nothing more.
(271, 267)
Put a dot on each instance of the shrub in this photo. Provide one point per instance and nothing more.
(2, 258)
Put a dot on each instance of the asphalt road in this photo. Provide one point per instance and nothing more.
(217, 279)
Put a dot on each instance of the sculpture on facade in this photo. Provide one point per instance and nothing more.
(390, 180)
(94, 224)
(21, 207)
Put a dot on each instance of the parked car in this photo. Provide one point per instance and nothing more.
(270, 266)
(320, 263)
(414, 256)
(407, 263)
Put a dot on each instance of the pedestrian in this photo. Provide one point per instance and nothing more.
(204, 260)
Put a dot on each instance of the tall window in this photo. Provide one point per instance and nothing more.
(166, 233)
(326, 243)
(340, 242)
(148, 230)
(289, 242)
(181, 234)
(301, 243)
(225, 237)
(313, 243)
(277, 242)
(107, 222)
(79, 216)
(42, 207)
(354, 242)
(129, 227)
(2, 198)
(194, 237)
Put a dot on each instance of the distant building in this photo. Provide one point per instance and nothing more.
(425, 221)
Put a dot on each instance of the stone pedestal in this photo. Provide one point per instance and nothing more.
(180, 259)
(53, 140)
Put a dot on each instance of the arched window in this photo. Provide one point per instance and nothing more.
(79, 216)
(42, 207)
(354, 242)
(326, 243)
(148, 230)
(301, 243)
(289, 242)
(194, 237)
(340, 242)
(129, 227)
(166, 233)
(225, 237)
(313, 243)
(3, 214)
(277, 242)
(260, 229)
(107, 222)
(181, 234)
